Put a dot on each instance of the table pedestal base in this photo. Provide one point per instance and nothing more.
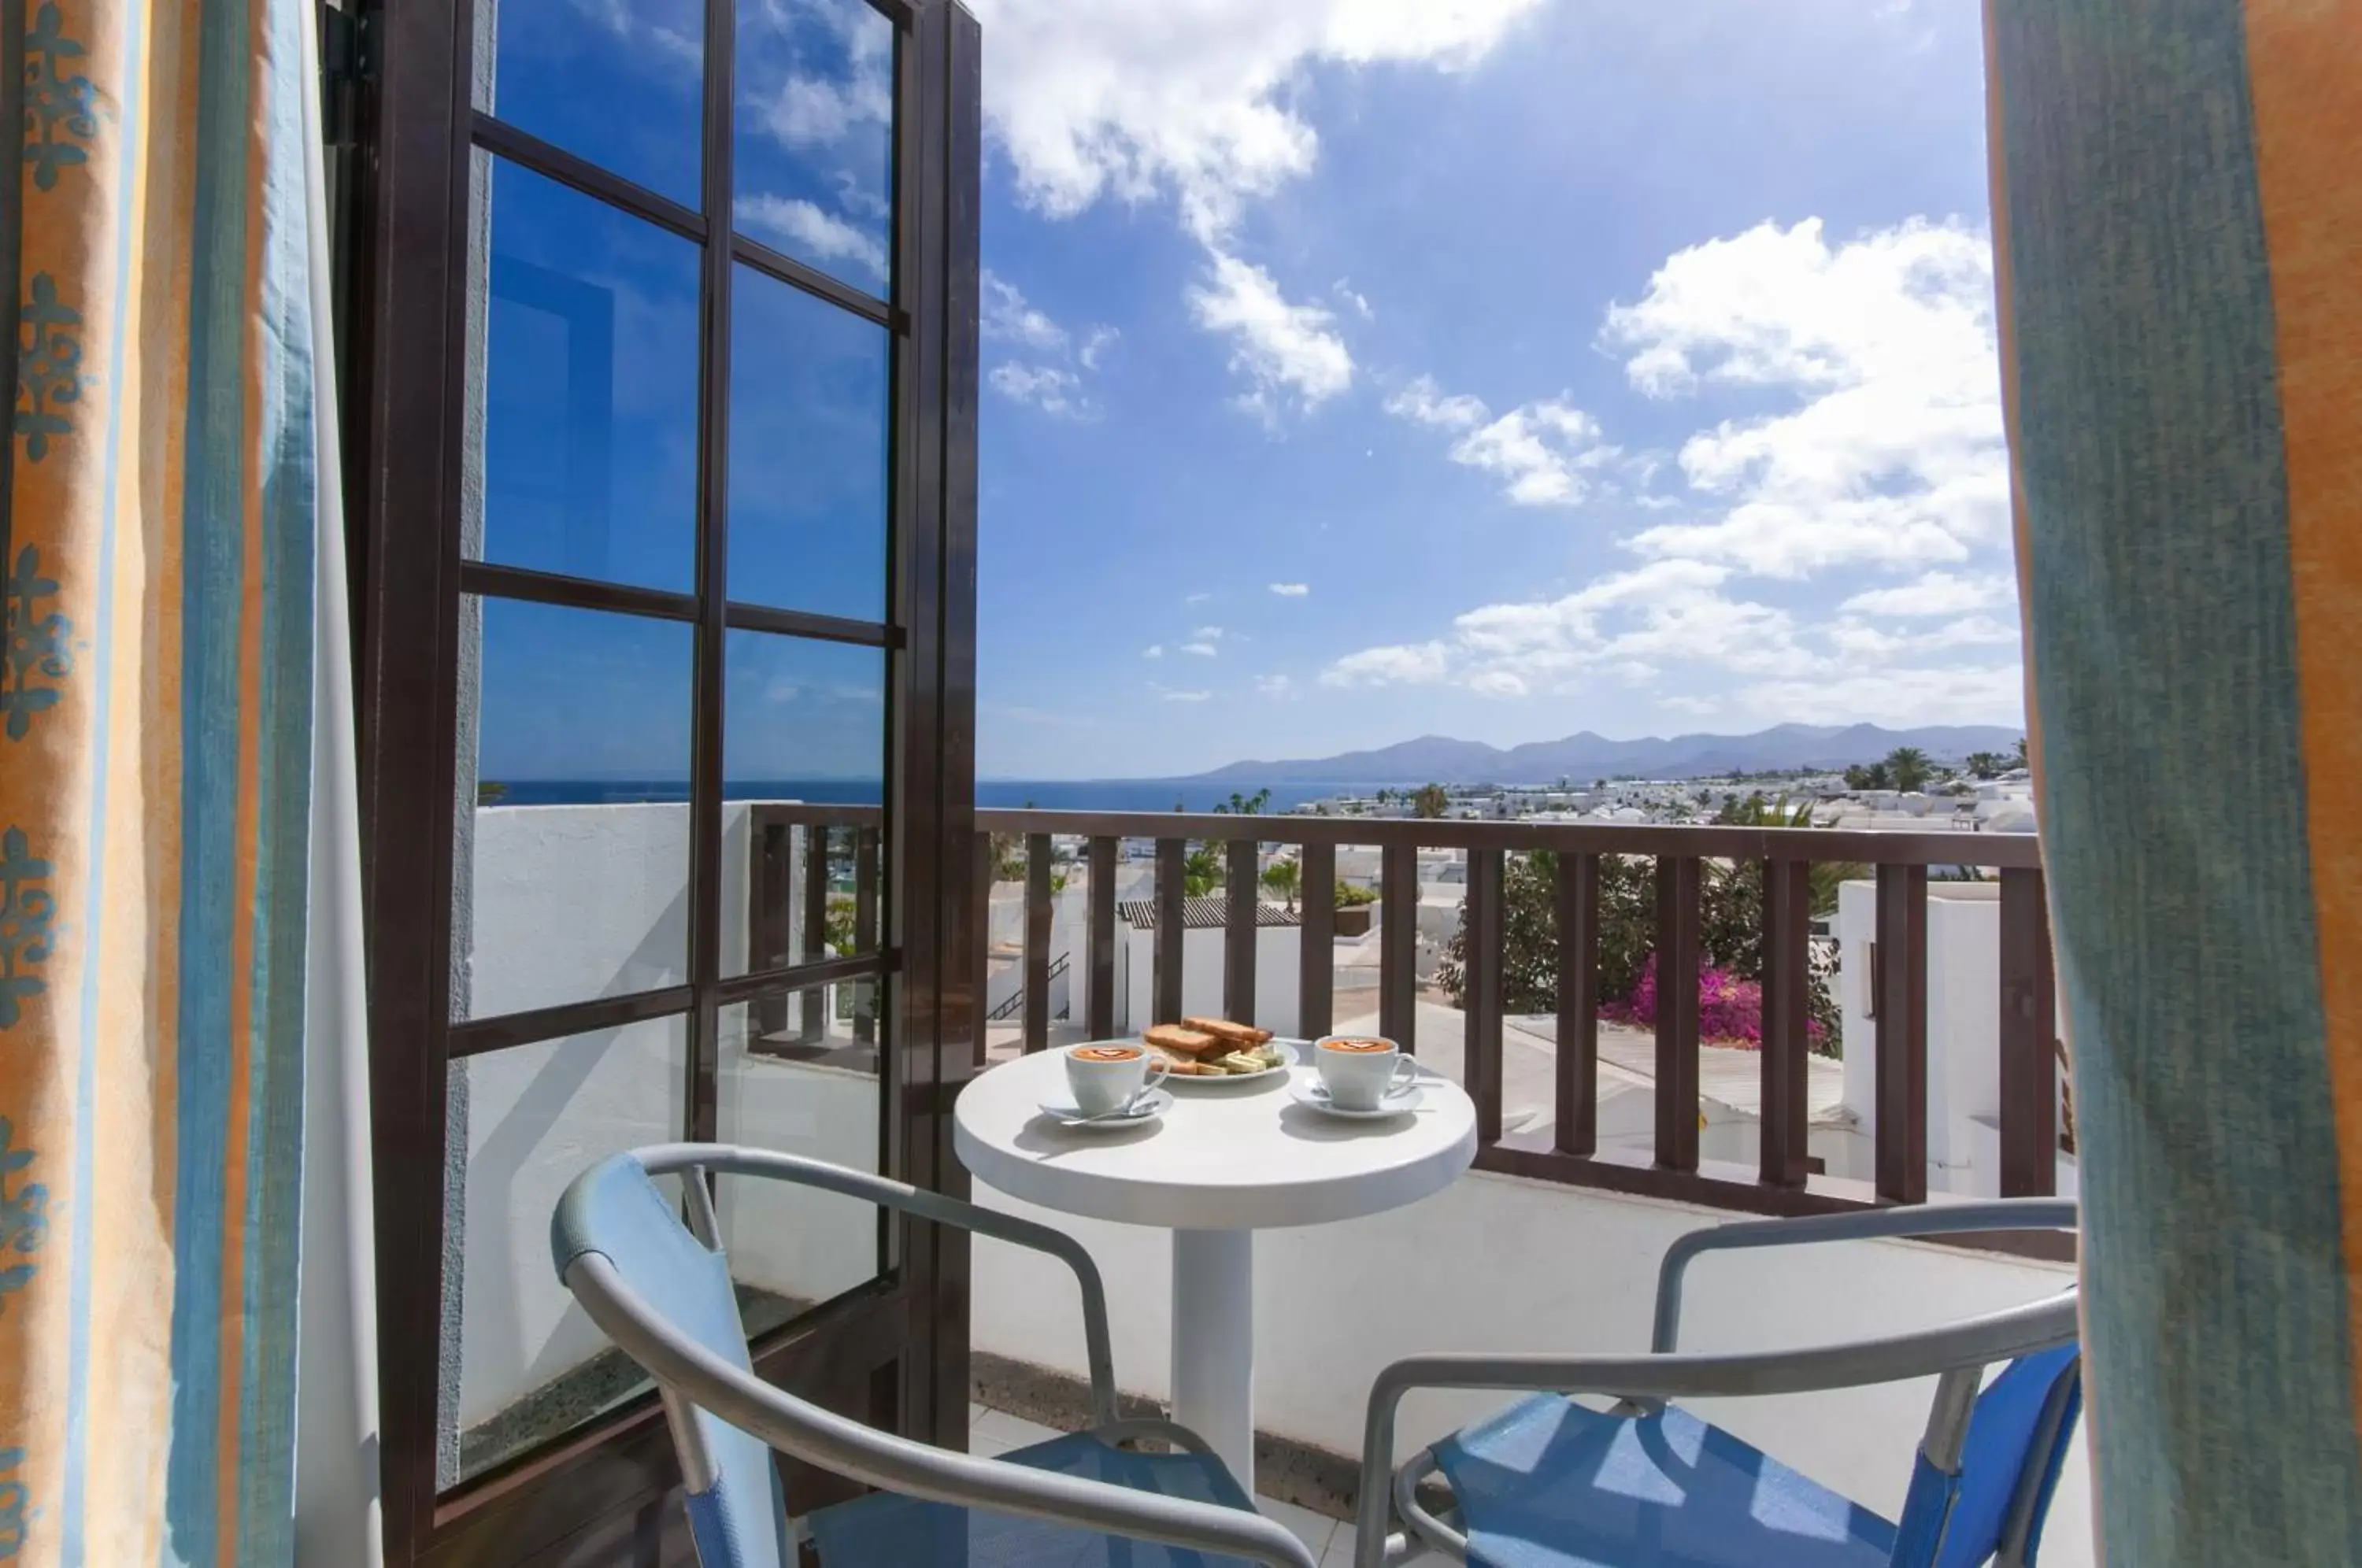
(1213, 1344)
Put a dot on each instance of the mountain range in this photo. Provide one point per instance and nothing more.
(1439, 760)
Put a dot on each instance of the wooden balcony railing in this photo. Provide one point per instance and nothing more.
(1783, 1180)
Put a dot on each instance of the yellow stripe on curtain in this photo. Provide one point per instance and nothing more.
(155, 753)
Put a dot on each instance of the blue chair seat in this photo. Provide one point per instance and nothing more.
(884, 1531)
(1548, 1484)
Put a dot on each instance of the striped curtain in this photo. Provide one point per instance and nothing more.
(2178, 204)
(157, 807)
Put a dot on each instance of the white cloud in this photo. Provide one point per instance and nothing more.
(1344, 290)
(1286, 351)
(1275, 685)
(818, 235)
(1051, 378)
(1046, 387)
(1192, 99)
(1008, 317)
(1208, 633)
(1545, 452)
(1291, 590)
(808, 111)
(1197, 599)
(1171, 695)
(1677, 621)
(1203, 650)
(1893, 452)
(1154, 650)
(1937, 594)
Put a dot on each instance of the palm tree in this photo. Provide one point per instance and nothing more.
(1907, 767)
(1283, 877)
(1988, 763)
(1430, 802)
(2018, 758)
(1202, 873)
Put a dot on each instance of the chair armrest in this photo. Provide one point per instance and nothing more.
(1914, 1219)
(913, 1469)
(739, 1160)
(1978, 1341)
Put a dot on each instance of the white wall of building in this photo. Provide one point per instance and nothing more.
(1963, 1037)
(1276, 975)
(1501, 1265)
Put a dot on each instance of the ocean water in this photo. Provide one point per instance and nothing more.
(1049, 794)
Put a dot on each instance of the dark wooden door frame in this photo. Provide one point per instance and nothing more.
(897, 1349)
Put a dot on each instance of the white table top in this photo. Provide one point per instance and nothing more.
(1222, 1158)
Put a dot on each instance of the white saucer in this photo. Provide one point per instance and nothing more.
(1147, 1109)
(1310, 1091)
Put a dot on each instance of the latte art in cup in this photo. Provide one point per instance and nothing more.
(1109, 1077)
(1362, 1071)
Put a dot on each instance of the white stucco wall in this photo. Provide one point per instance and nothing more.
(1963, 1035)
(1497, 1264)
(1277, 976)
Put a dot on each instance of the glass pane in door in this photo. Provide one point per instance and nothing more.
(620, 82)
(814, 155)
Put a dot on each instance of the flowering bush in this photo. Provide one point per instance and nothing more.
(1731, 1008)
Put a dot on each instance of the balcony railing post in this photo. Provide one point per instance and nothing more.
(2030, 1064)
(1481, 992)
(1102, 1004)
(1787, 981)
(1578, 1004)
(1037, 941)
(1170, 936)
(1315, 986)
(1677, 1013)
(1901, 1092)
(769, 943)
(816, 1000)
(1399, 944)
(1242, 908)
(982, 979)
(865, 929)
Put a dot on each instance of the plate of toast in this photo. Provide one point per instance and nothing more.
(1215, 1050)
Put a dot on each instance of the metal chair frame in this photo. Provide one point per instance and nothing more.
(689, 1376)
(1955, 1354)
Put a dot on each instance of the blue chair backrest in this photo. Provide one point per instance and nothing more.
(615, 1209)
(2016, 1441)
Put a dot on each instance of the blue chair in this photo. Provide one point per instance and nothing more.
(1551, 1484)
(659, 1287)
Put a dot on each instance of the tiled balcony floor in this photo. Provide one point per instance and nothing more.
(994, 1431)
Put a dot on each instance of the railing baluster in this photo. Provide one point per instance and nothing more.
(1787, 981)
(1037, 941)
(1398, 944)
(2029, 1065)
(1103, 938)
(1677, 1013)
(982, 979)
(1901, 1092)
(1239, 916)
(1316, 985)
(768, 943)
(814, 1003)
(1578, 1004)
(865, 929)
(1170, 936)
(1481, 993)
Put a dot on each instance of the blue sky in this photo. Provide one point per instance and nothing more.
(1354, 369)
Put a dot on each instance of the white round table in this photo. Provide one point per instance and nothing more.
(1225, 1161)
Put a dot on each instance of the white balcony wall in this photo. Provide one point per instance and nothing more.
(1497, 1264)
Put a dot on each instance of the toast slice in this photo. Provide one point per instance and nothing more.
(1240, 1036)
(1176, 1040)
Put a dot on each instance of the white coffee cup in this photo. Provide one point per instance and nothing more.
(1110, 1075)
(1362, 1071)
